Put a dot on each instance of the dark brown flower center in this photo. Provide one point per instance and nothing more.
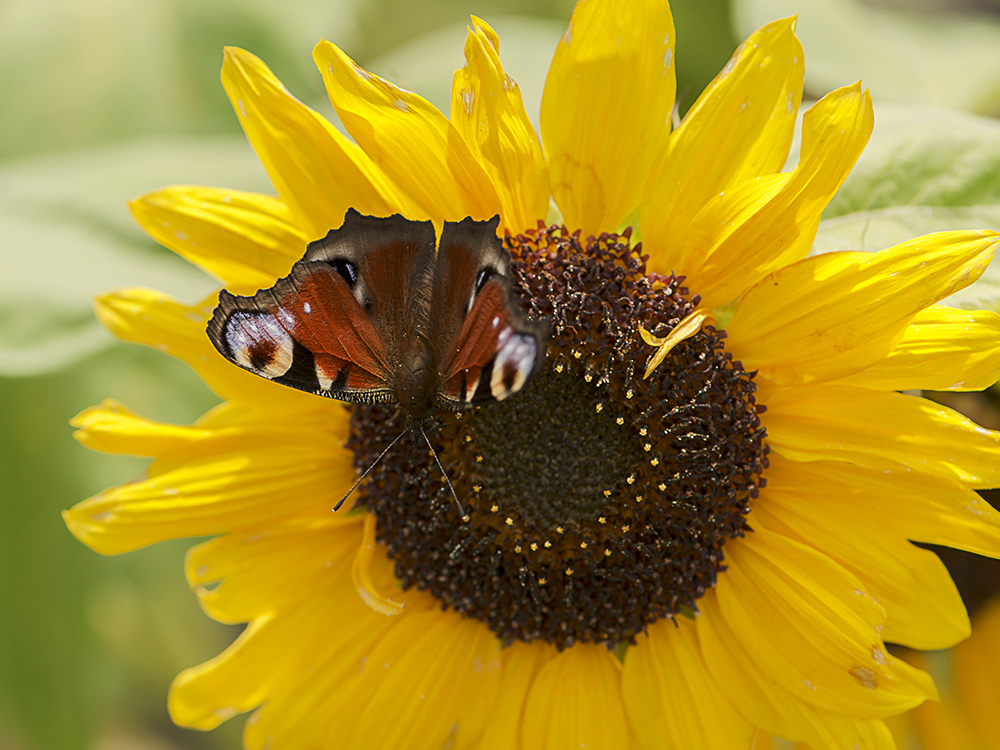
(598, 502)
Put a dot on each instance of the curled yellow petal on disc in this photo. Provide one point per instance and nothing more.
(245, 240)
(831, 315)
(833, 422)
(839, 662)
(767, 704)
(361, 577)
(487, 109)
(665, 344)
(741, 127)
(943, 349)
(576, 701)
(671, 697)
(606, 109)
(410, 140)
(317, 172)
(762, 224)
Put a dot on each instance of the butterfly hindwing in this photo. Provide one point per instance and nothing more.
(491, 348)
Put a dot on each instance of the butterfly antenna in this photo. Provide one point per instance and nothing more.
(368, 470)
(461, 510)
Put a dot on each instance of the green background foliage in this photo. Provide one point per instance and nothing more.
(104, 100)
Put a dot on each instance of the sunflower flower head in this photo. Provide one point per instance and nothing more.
(679, 531)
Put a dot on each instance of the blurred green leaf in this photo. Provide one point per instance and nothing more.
(935, 59)
(426, 64)
(78, 72)
(923, 157)
(924, 170)
(68, 236)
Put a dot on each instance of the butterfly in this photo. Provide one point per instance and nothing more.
(378, 311)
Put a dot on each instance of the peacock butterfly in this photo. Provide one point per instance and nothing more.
(379, 312)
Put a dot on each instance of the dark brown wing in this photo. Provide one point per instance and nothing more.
(488, 348)
(336, 324)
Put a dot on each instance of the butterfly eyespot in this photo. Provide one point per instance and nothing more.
(347, 270)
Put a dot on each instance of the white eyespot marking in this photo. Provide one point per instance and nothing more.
(306, 308)
(496, 321)
(260, 343)
(324, 380)
(471, 384)
(513, 363)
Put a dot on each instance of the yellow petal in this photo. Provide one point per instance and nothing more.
(145, 316)
(217, 484)
(237, 680)
(407, 137)
(290, 653)
(740, 128)
(835, 422)
(831, 315)
(486, 108)
(246, 574)
(742, 235)
(810, 626)
(770, 706)
(857, 531)
(606, 109)
(310, 713)
(576, 701)
(943, 349)
(671, 699)
(521, 664)
(317, 172)
(938, 510)
(245, 240)
(112, 428)
(433, 681)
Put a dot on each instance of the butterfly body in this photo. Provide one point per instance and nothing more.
(379, 312)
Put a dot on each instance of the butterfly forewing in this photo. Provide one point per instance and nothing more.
(335, 325)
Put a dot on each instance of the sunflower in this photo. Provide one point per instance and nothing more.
(693, 522)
